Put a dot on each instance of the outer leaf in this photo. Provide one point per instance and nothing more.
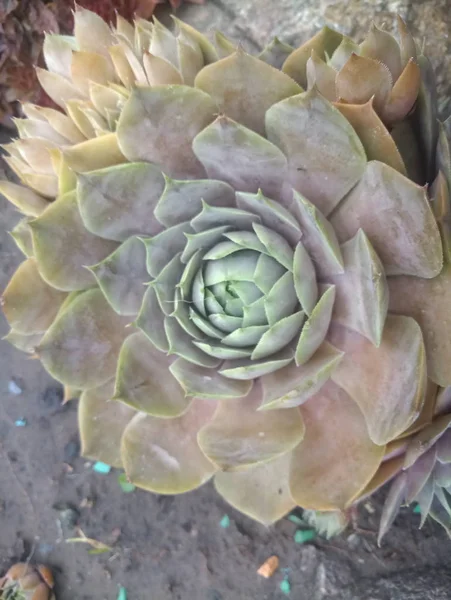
(63, 247)
(240, 157)
(91, 32)
(139, 381)
(239, 436)
(396, 216)
(261, 492)
(325, 156)
(98, 153)
(118, 202)
(245, 87)
(151, 320)
(336, 459)
(122, 275)
(293, 385)
(323, 43)
(361, 292)
(29, 304)
(158, 125)
(81, 347)
(407, 296)
(162, 455)
(376, 140)
(101, 423)
(21, 234)
(362, 78)
(393, 502)
(27, 201)
(389, 382)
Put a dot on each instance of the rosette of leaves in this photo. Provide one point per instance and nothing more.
(245, 280)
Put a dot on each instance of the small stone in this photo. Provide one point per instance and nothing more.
(14, 388)
(269, 567)
(225, 522)
(285, 587)
(101, 467)
(68, 518)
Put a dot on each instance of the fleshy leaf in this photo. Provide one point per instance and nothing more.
(101, 423)
(272, 214)
(63, 247)
(240, 157)
(375, 137)
(304, 279)
(122, 275)
(57, 87)
(407, 296)
(425, 439)
(404, 93)
(293, 385)
(363, 78)
(336, 459)
(383, 47)
(139, 380)
(321, 76)
(387, 382)
(276, 246)
(325, 156)
(395, 214)
(182, 200)
(207, 383)
(162, 455)
(315, 328)
(98, 153)
(278, 335)
(393, 502)
(323, 43)
(239, 436)
(280, 302)
(21, 234)
(27, 201)
(158, 125)
(319, 237)
(23, 342)
(210, 216)
(151, 320)
(162, 247)
(29, 304)
(361, 292)
(181, 344)
(251, 369)
(275, 53)
(91, 32)
(118, 202)
(244, 88)
(260, 492)
(80, 348)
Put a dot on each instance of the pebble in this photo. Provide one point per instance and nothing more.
(14, 388)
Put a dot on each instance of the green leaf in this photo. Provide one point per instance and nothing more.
(139, 381)
(118, 202)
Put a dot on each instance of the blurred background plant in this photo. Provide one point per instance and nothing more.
(23, 24)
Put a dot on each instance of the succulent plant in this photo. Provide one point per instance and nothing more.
(244, 280)
(25, 582)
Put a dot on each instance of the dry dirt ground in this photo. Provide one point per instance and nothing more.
(166, 548)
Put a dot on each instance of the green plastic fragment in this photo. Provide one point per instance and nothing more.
(225, 522)
(417, 509)
(304, 535)
(122, 594)
(295, 519)
(126, 486)
(285, 587)
(101, 467)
